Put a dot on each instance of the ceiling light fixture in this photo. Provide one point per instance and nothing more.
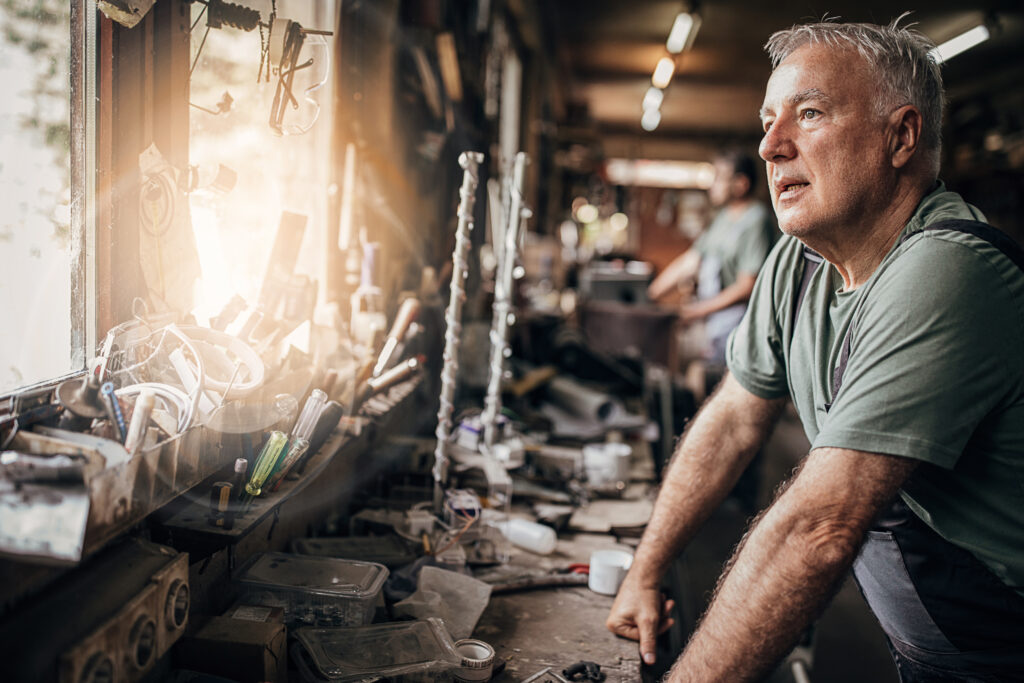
(684, 30)
(650, 120)
(663, 72)
(653, 98)
(660, 173)
(954, 46)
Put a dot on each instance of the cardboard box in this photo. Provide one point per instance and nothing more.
(239, 649)
(256, 613)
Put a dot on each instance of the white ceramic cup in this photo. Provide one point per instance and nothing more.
(607, 570)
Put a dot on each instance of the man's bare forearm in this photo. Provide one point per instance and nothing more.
(735, 293)
(715, 449)
(788, 567)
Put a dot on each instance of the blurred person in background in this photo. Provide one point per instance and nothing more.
(723, 263)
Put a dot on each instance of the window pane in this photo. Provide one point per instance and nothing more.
(37, 244)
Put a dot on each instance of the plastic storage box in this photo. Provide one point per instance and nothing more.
(319, 591)
(389, 551)
(412, 650)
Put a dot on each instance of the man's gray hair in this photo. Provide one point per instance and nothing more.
(898, 54)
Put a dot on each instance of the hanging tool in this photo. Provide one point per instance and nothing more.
(293, 39)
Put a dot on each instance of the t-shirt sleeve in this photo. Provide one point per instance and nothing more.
(701, 243)
(755, 351)
(754, 246)
(928, 355)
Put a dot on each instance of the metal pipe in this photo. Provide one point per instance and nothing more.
(503, 299)
(469, 161)
(799, 670)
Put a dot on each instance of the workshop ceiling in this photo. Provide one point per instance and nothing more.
(608, 49)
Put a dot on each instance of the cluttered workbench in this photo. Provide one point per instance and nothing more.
(555, 628)
(232, 505)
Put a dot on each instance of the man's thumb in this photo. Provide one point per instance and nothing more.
(646, 631)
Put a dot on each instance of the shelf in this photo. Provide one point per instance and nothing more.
(355, 438)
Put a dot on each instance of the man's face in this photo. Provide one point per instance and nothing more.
(824, 145)
(720, 191)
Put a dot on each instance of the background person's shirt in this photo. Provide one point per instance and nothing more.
(732, 244)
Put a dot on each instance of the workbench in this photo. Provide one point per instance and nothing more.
(556, 627)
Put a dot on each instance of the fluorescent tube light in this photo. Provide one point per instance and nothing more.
(653, 98)
(684, 30)
(954, 46)
(660, 173)
(663, 72)
(650, 120)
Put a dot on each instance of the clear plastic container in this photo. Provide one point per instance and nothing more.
(390, 551)
(316, 591)
(416, 649)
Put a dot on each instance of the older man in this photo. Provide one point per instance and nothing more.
(902, 354)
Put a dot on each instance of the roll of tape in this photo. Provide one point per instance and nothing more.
(477, 661)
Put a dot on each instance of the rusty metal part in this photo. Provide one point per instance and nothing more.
(82, 397)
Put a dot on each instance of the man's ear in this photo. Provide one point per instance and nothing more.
(905, 130)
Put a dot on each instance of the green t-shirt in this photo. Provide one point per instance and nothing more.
(741, 244)
(935, 373)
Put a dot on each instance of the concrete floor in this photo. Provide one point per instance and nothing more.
(849, 646)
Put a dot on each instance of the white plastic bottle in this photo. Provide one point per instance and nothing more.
(531, 536)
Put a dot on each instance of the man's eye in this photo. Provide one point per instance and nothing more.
(767, 125)
(808, 114)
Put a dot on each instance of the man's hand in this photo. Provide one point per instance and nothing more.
(737, 292)
(694, 311)
(676, 275)
(640, 613)
(717, 445)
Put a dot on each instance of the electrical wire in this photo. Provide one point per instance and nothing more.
(200, 373)
(170, 395)
(199, 51)
(455, 539)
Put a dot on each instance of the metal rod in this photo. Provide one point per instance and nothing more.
(503, 299)
(469, 161)
(799, 670)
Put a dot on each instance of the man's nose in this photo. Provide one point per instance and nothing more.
(777, 143)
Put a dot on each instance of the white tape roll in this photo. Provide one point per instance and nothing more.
(477, 661)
